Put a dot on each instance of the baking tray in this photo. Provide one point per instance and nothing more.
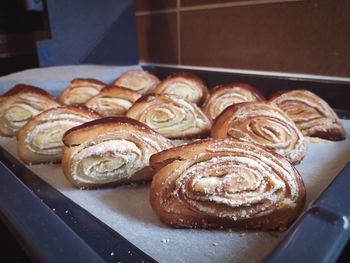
(43, 213)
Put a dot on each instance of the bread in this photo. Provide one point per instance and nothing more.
(137, 80)
(80, 91)
(20, 104)
(171, 116)
(40, 140)
(311, 114)
(110, 151)
(113, 101)
(264, 124)
(225, 183)
(185, 85)
(226, 95)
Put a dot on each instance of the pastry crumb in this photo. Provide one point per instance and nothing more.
(112, 254)
(242, 234)
(165, 240)
(215, 244)
(66, 211)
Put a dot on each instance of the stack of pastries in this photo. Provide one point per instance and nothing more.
(233, 169)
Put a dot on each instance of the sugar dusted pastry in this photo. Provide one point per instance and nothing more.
(312, 115)
(80, 91)
(262, 123)
(171, 116)
(21, 103)
(226, 95)
(113, 101)
(137, 80)
(40, 140)
(185, 85)
(110, 151)
(225, 183)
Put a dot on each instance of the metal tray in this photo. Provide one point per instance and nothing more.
(27, 202)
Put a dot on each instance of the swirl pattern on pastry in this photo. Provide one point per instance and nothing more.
(185, 85)
(226, 95)
(110, 151)
(311, 114)
(171, 116)
(113, 101)
(264, 124)
(229, 183)
(80, 91)
(40, 140)
(20, 104)
(137, 80)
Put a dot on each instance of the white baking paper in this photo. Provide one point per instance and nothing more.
(126, 209)
(55, 79)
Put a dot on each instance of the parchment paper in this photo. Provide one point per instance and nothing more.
(127, 210)
(56, 79)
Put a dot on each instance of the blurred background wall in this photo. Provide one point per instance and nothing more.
(301, 36)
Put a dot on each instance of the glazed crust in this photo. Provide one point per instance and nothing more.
(110, 151)
(264, 124)
(113, 101)
(137, 80)
(171, 116)
(21, 103)
(214, 183)
(226, 95)
(80, 91)
(186, 85)
(311, 114)
(40, 140)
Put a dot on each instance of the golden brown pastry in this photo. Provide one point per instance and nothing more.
(40, 140)
(137, 80)
(110, 151)
(21, 103)
(185, 85)
(226, 95)
(312, 115)
(80, 91)
(264, 124)
(113, 101)
(225, 183)
(171, 116)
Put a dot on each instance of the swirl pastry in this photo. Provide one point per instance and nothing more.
(113, 101)
(171, 116)
(137, 80)
(21, 103)
(312, 115)
(225, 183)
(185, 85)
(80, 91)
(40, 140)
(264, 124)
(226, 95)
(110, 151)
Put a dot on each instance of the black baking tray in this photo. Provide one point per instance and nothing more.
(49, 227)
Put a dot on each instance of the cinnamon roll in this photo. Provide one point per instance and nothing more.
(113, 101)
(80, 91)
(264, 124)
(171, 116)
(226, 95)
(311, 114)
(137, 80)
(225, 183)
(40, 140)
(110, 151)
(21, 103)
(185, 85)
